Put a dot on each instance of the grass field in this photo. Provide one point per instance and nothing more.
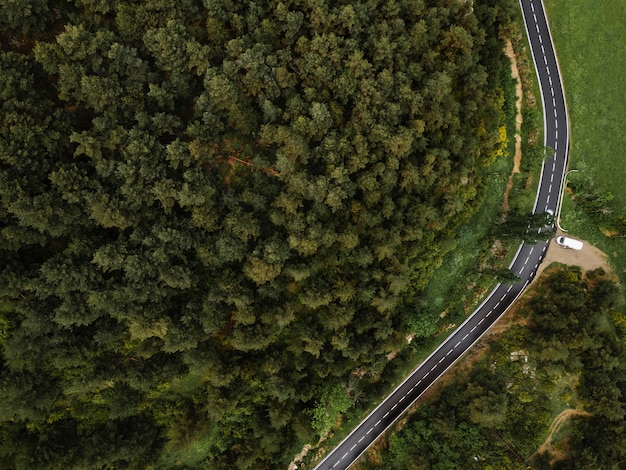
(590, 41)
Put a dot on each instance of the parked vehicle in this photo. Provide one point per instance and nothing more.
(566, 242)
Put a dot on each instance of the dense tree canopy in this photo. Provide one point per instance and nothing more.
(210, 212)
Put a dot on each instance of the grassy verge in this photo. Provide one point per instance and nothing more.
(590, 46)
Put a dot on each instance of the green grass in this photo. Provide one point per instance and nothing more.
(590, 42)
(463, 258)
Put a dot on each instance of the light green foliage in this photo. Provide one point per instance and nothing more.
(333, 402)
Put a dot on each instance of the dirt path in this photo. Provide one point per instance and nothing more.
(294, 464)
(518, 120)
(556, 425)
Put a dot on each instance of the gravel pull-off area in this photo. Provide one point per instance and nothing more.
(589, 258)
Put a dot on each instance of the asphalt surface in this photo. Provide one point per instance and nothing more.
(524, 265)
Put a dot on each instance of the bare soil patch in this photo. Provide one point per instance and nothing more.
(519, 119)
(589, 258)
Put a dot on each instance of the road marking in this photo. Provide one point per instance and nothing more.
(495, 306)
(361, 439)
(535, 17)
(556, 134)
(555, 113)
(434, 367)
(426, 375)
(528, 257)
(554, 165)
(465, 337)
(520, 271)
(549, 190)
(370, 430)
(551, 177)
(550, 80)
(403, 397)
(352, 448)
(556, 124)
(543, 50)
(481, 320)
(338, 462)
(450, 352)
(410, 389)
(537, 265)
(553, 101)
(509, 289)
(378, 422)
(419, 382)
(502, 298)
(537, 27)
(540, 40)
(548, 71)
(442, 359)
(556, 145)
(548, 200)
(394, 407)
(472, 330)
(457, 344)
(532, 7)
(545, 60)
(386, 414)
(531, 251)
(489, 313)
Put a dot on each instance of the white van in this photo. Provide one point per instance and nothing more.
(569, 243)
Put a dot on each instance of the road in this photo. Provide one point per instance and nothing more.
(524, 265)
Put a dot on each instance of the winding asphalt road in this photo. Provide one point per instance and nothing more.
(524, 265)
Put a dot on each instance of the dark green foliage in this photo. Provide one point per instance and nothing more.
(528, 228)
(210, 211)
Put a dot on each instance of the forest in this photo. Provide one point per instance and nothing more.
(563, 353)
(215, 215)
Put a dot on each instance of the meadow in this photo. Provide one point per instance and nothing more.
(590, 44)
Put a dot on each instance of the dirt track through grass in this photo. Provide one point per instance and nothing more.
(556, 425)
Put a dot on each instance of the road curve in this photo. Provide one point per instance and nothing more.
(524, 265)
